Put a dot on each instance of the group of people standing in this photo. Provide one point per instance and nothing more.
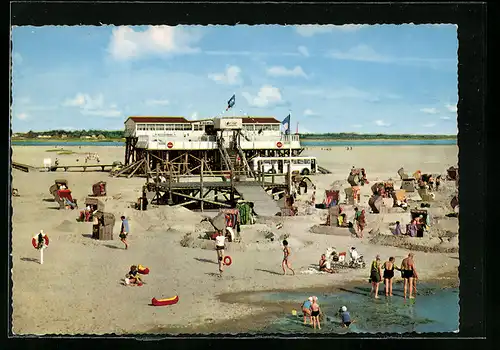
(385, 272)
(312, 310)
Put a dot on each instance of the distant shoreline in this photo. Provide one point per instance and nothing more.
(305, 139)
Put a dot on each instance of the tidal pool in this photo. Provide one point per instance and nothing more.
(435, 309)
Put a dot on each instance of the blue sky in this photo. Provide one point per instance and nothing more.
(352, 78)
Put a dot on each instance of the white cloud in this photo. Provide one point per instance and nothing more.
(451, 108)
(249, 53)
(345, 92)
(77, 101)
(367, 54)
(309, 30)
(309, 113)
(92, 105)
(303, 50)
(429, 125)
(360, 53)
(280, 71)
(231, 76)
(267, 95)
(381, 123)
(194, 116)
(356, 126)
(126, 43)
(429, 110)
(22, 116)
(445, 118)
(157, 102)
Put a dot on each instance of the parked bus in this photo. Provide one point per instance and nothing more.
(279, 165)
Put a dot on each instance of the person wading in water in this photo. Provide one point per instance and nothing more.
(286, 258)
(409, 274)
(388, 275)
(375, 276)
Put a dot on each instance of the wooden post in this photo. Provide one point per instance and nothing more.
(147, 167)
(263, 175)
(201, 185)
(157, 183)
(170, 201)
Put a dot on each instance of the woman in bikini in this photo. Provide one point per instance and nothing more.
(315, 312)
(375, 276)
(388, 275)
(286, 258)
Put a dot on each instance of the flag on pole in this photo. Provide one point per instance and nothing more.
(231, 102)
(286, 124)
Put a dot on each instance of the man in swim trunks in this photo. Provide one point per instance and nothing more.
(315, 312)
(409, 273)
(220, 242)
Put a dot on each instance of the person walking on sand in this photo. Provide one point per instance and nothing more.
(361, 223)
(388, 275)
(124, 231)
(286, 258)
(306, 309)
(375, 276)
(315, 312)
(409, 274)
(220, 243)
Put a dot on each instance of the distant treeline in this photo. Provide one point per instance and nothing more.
(74, 134)
(119, 134)
(356, 136)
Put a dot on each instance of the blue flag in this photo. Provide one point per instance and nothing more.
(286, 124)
(231, 102)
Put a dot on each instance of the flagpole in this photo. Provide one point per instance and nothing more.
(290, 155)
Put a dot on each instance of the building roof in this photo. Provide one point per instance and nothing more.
(260, 120)
(141, 119)
(159, 119)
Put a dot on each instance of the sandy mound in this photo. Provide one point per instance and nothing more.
(425, 244)
(331, 230)
(66, 226)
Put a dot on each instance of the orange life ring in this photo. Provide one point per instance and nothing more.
(34, 241)
(227, 260)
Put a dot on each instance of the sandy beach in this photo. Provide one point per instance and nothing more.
(78, 289)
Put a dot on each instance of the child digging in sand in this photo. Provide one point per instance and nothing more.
(132, 277)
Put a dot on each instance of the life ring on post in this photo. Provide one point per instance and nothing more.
(34, 241)
(227, 260)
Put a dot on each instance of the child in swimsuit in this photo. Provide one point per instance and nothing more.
(315, 312)
(388, 275)
(132, 277)
(286, 256)
(306, 309)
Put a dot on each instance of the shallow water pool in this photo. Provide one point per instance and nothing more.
(434, 310)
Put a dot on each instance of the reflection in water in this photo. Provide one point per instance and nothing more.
(434, 310)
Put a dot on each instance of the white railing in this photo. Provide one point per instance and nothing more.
(210, 142)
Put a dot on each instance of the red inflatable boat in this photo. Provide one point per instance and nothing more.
(164, 302)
